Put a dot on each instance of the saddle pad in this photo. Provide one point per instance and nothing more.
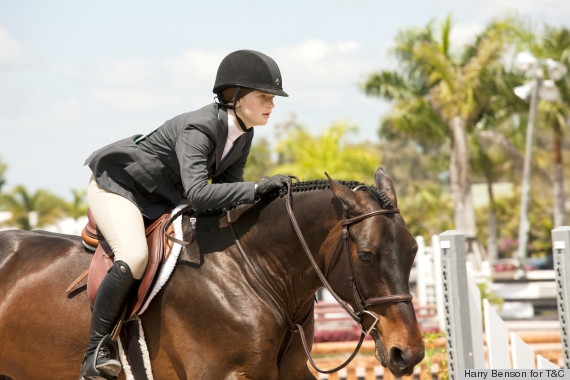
(168, 266)
(103, 260)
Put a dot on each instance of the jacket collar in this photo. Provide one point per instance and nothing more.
(221, 134)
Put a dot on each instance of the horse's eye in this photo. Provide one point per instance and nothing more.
(367, 257)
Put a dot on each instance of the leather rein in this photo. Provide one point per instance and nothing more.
(362, 302)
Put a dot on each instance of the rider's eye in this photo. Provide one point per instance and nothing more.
(367, 257)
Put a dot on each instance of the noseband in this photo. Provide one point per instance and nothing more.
(361, 301)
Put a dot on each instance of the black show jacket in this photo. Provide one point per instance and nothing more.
(175, 162)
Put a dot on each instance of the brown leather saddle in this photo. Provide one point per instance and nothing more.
(160, 235)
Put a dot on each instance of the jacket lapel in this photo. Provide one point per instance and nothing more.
(221, 136)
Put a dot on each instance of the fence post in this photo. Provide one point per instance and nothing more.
(561, 256)
(438, 283)
(421, 280)
(459, 340)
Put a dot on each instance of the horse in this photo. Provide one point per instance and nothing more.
(216, 317)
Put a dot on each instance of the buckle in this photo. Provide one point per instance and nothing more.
(373, 326)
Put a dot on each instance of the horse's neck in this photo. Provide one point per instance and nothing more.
(288, 266)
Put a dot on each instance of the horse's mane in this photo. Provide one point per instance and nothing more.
(323, 184)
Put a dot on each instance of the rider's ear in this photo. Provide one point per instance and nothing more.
(385, 184)
(346, 196)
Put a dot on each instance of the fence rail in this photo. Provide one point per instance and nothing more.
(465, 343)
(544, 344)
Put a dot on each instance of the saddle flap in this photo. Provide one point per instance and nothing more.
(158, 250)
(100, 264)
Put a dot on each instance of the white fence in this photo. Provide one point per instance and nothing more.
(461, 310)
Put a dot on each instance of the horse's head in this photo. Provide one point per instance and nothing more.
(382, 251)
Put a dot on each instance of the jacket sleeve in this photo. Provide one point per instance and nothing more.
(192, 149)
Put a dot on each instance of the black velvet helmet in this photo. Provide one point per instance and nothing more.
(249, 69)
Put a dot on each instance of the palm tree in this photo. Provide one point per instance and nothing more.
(31, 211)
(441, 97)
(495, 157)
(555, 44)
(78, 206)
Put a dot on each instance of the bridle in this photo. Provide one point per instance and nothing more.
(361, 301)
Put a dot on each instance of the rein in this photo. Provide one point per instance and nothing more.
(360, 300)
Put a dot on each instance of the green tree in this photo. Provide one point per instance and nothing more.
(30, 211)
(309, 157)
(259, 162)
(554, 43)
(419, 174)
(3, 168)
(494, 157)
(439, 96)
(78, 206)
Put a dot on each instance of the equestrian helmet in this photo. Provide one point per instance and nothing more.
(249, 69)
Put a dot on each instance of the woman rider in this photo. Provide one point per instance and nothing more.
(198, 157)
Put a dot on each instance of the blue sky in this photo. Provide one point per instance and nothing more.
(76, 75)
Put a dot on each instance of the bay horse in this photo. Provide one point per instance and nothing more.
(213, 319)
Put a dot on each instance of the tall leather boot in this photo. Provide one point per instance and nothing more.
(111, 299)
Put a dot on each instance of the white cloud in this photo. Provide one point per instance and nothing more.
(195, 70)
(348, 47)
(317, 63)
(529, 7)
(316, 74)
(555, 11)
(463, 34)
(133, 100)
(125, 73)
(154, 86)
(12, 53)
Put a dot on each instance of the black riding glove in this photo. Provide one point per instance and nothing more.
(267, 185)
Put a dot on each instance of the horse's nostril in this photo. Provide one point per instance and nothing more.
(398, 357)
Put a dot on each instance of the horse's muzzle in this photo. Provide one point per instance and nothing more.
(400, 361)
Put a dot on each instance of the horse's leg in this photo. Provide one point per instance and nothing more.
(179, 350)
(293, 364)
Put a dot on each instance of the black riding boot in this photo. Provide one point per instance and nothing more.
(111, 299)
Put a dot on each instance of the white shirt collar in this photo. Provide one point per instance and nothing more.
(233, 133)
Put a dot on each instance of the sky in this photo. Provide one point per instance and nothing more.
(76, 75)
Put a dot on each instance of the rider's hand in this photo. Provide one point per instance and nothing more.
(267, 185)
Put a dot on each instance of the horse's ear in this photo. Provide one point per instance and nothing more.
(385, 184)
(346, 196)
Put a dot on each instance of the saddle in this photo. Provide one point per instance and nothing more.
(159, 239)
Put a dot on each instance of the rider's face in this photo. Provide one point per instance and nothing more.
(255, 108)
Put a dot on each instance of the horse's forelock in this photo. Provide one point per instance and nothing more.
(382, 198)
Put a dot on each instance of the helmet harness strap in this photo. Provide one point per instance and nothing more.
(232, 107)
(240, 122)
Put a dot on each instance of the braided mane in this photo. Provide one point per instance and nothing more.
(324, 184)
